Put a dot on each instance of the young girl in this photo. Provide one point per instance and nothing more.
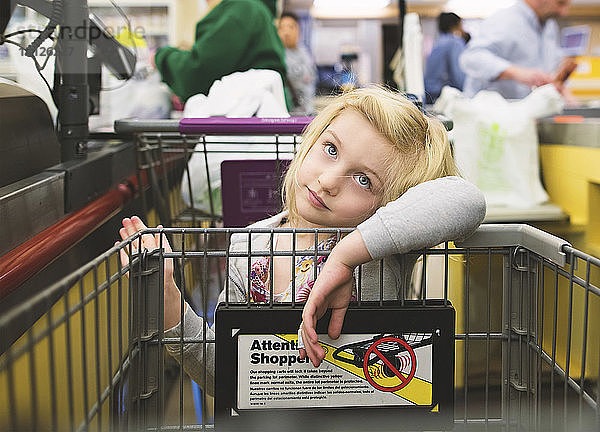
(364, 150)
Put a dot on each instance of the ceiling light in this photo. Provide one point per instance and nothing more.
(351, 5)
(476, 8)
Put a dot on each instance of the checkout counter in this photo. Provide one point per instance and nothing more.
(59, 186)
(570, 161)
(56, 216)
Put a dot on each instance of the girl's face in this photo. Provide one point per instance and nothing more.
(341, 181)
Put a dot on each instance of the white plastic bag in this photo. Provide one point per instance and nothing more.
(143, 97)
(219, 149)
(496, 142)
(256, 92)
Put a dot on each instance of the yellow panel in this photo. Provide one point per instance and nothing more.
(593, 231)
(585, 81)
(59, 370)
(587, 67)
(572, 178)
(566, 171)
(556, 302)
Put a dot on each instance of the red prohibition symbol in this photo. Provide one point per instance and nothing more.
(393, 367)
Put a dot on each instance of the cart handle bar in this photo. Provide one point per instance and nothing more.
(217, 126)
(533, 239)
(244, 126)
(132, 126)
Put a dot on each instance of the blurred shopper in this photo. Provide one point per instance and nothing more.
(301, 68)
(442, 68)
(518, 48)
(235, 36)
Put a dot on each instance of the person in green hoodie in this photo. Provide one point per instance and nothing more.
(236, 35)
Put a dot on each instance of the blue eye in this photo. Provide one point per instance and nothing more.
(363, 181)
(331, 150)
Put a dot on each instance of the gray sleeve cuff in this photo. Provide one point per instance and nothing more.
(376, 237)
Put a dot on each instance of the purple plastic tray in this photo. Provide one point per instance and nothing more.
(243, 126)
(250, 189)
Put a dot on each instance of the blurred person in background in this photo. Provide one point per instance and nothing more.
(301, 68)
(442, 68)
(234, 36)
(516, 50)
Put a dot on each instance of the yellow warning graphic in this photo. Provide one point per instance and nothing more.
(387, 363)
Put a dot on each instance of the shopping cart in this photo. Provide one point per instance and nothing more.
(526, 340)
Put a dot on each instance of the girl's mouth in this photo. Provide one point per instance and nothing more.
(315, 200)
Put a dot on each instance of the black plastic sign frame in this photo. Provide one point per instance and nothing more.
(392, 369)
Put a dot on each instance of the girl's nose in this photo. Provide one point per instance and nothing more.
(330, 182)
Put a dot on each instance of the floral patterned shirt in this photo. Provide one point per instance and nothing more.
(303, 271)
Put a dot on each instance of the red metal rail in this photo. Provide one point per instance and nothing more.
(30, 257)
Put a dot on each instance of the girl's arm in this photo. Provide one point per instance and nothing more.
(172, 307)
(448, 208)
(190, 355)
(332, 290)
(198, 362)
(428, 214)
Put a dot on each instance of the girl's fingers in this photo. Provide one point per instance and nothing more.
(134, 225)
(158, 242)
(128, 227)
(124, 257)
(137, 223)
(148, 240)
(336, 322)
(312, 348)
(302, 353)
(123, 233)
(165, 242)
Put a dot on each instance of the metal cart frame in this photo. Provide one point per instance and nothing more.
(165, 147)
(95, 361)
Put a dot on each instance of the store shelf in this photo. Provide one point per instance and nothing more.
(132, 3)
(150, 18)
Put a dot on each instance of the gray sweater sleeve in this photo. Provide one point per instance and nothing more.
(448, 208)
(198, 358)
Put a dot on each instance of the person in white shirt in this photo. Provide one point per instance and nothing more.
(517, 49)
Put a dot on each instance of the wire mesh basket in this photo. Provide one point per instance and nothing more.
(525, 341)
(189, 166)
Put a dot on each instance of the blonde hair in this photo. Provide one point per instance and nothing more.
(420, 142)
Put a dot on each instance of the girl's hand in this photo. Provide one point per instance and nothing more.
(172, 307)
(332, 289)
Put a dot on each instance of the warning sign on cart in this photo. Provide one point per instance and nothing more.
(392, 365)
(358, 370)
